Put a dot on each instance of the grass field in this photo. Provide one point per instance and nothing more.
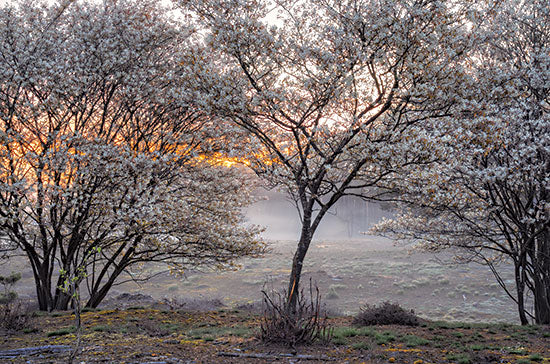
(349, 274)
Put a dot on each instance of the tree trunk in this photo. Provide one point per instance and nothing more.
(62, 301)
(542, 279)
(297, 263)
(542, 302)
(43, 288)
(520, 289)
(43, 295)
(98, 295)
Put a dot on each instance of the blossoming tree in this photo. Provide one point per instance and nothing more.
(104, 154)
(490, 194)
(327, 91)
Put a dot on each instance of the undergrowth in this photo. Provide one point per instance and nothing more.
(385, 314)
(290, 327)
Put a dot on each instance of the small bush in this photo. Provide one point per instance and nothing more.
(339, 341)
(282, 325)
(385, 314)
(13, 313)
(14, 316)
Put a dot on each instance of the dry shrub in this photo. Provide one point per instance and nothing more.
(280, 325)
(385, 314)
(13, 313)
(15, 316)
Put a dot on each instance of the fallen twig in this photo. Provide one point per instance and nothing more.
(14, 353)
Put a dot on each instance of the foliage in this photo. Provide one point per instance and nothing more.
(102, 146)
(281, 324)
(385, 314)
(489, 193)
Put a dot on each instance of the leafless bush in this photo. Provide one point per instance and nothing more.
(14, 316)
(281, 325)
(385, 314)
(13, 313)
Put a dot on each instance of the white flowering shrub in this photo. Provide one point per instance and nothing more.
(489, 192)
(328, 89)
(104, 151)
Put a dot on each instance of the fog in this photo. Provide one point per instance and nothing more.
(350, 218)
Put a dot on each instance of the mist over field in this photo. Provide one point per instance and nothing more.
(349, 267)
(349, 218)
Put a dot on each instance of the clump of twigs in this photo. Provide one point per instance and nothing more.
(13, 313)
(289, 326)
(386, 314)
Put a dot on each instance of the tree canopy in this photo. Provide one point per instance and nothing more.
(489, 194)
(329, 91)
(104, 151)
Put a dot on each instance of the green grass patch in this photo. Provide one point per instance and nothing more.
(458, 334)
(384, 338)
(361, 346)
(520, 336)
(459, 358)
(536, 357)
(62, 332)
(345, 332)
(339, 341)
(412, 341)
(170, 327)
(517, 351)
(458, 325)
(523, 361)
